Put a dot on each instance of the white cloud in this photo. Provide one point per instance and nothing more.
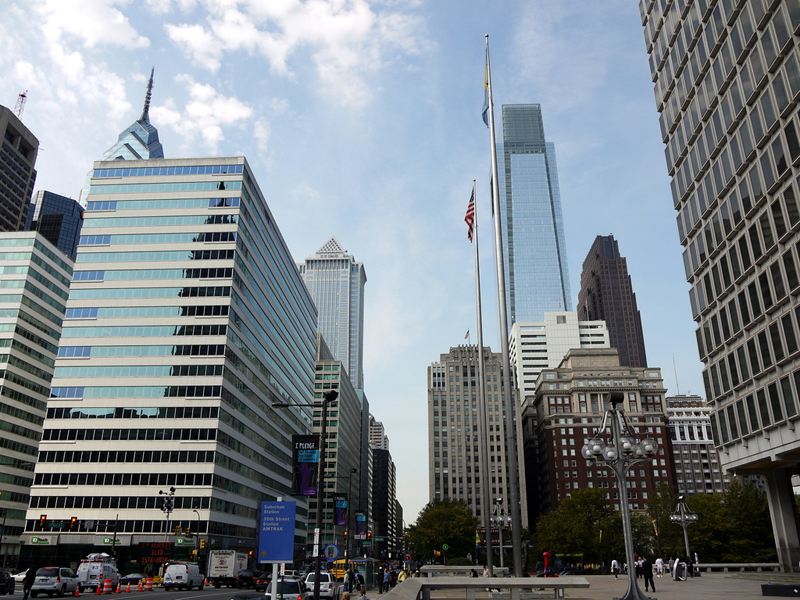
(95, 22)
(262, 131)
(204, 115)
(348, 40)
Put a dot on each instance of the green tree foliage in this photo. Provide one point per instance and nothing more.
(731, 527)
(443, 522)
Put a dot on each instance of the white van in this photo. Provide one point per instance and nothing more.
(95, 569)
(183, 576)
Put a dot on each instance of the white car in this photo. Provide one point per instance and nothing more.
(288, 589)
(328, 586)
(54, 581)
(20, 577)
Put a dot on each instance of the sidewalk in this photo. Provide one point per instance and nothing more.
(723, 586)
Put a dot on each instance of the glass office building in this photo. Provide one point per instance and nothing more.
(58, 218)
(726, 81)
(18, 151)
(186, 320)
(534, 249)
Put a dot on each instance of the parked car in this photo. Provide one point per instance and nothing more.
(262, 581)
(54, 581)
(247, 578)
(132, 578)
(328, 586)
(183, 576)
(20, 577)
(288, 589)
(6, 583)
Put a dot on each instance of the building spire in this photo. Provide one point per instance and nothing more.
(146, 110)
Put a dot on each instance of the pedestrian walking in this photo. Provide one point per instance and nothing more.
(647, 573)
(27, 583)
(659, 567)
(363, 595)
(671, 564)
(386, 578)
(615, 568)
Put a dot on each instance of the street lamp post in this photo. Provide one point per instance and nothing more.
(168, 506)
(329, 396)
(499, 518)
(197, 535)
(684, 516)
(623, 451)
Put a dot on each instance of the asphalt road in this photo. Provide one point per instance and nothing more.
(207, 593)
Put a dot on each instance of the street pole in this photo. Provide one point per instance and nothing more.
(2, 535)
(684, 516)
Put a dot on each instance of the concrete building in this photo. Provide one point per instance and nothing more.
(58, 218)
(534, 247)
(187, 319)
(725, 84)
(537, 346)
(569, 404)
(377, 434)
(454, 438)
(36, 278)
(694, 457)
(18, 151)
(607, 295)
(336, 283)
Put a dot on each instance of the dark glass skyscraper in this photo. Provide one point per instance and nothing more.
(607, 295)
(18, 150)
(58, 218)
(534, 248)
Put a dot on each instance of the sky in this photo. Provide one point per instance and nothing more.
(361, 119)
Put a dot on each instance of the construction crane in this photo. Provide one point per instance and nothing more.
(20, 104)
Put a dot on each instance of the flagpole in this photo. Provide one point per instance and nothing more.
(484, 470)
(510, 422)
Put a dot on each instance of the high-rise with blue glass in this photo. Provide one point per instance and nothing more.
(186, 320)
(534, 249)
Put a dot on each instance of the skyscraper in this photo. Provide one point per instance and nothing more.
(35, 277)
(534, 248)
(607, 295)
(336, 282)
(186, 321)
(18, 151)
(727, 75)
(58, 218)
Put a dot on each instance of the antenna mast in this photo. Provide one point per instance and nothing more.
(20, 104)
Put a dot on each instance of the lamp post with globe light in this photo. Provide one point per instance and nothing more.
(619, 454)
(684, 516)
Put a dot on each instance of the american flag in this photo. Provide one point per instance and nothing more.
(470, 218)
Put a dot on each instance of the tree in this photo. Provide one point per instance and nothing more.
(443, 522)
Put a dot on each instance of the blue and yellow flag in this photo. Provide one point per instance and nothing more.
(485, 112)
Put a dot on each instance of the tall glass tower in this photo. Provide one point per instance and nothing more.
(336, 282)
(534, 249)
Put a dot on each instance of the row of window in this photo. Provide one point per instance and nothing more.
(126, 456)
(118, 479)
(130, 502)
(141, 371)
(167, 171)
(143, 331)
(768, 406)
(170, 391)
(102, 275)
(157, 238)
(173, 220)
(148, 412)
(164, 203)
(154, 256)
(19, 413)
(129, 434)
(145, 292)
(146, 188)
(113, 351)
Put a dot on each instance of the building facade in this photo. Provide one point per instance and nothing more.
(726, 77)
(18, 151)
(336, 283)
(58, 218)
(35, 277)
(607, 295)
(568, 406)
(377, 434)
(537, 346)
(187, 319)
(384, 495)
(534, 247)
(694, 457)
(454, 437)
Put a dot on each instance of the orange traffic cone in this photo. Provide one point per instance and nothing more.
(77, 593)
(141, 585)
(99, 588)
(118, 590)
(128, 587)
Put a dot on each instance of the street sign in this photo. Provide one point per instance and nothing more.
(276, 536)
(380, 539)
(184, 541)
(109, 541)
(331, 552)
(366, 543)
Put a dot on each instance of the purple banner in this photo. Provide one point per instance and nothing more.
(340, 509)
(305, 467)
(361, 523)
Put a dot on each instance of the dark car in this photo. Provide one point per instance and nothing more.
(262, 581)
(132, 578)
(6, 583)
(247, 579)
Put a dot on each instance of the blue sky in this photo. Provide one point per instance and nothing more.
(361, 120)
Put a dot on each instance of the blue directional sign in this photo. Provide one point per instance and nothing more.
(276, 532)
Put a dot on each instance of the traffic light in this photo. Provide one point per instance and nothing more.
(177, 529)
(250, 553)
(73, 522)
(187, 532)
(345, 534)
(42, 521)
(369, 535)
(202, 543)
